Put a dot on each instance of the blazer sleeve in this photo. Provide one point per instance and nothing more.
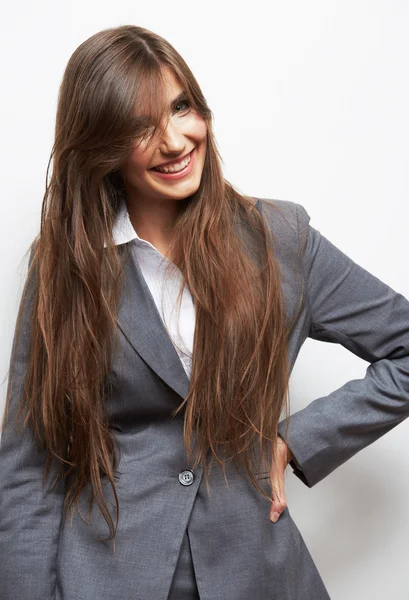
(348, 305)
(29, 516)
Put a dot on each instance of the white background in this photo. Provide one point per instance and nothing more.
(311, 104)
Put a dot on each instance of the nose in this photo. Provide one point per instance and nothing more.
(173, 141)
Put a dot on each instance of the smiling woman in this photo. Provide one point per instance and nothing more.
(161, 318)
(123, 404)
(159, 160)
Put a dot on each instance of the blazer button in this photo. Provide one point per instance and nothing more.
(186, 477)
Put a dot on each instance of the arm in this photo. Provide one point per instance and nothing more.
(29, 518)
(349, 306)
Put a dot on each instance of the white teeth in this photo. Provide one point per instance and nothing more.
(174, 168)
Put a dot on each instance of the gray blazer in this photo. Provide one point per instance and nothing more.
(238, 552)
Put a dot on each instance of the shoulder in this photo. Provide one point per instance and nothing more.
(287, 220)
(284, 213)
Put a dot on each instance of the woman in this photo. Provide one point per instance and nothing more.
(162, 316)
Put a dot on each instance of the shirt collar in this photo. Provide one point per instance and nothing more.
(123, 230)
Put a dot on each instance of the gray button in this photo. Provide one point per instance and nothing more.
(186, 477)
(188, 361)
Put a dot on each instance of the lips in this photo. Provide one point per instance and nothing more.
(172, 162)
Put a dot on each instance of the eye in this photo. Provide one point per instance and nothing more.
(185, 103)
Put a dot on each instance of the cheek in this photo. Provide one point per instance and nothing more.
(199, 127)
(137, 162)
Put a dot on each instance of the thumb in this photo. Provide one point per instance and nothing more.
(279, 501)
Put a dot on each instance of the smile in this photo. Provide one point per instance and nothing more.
(176, 170)
(174, 167)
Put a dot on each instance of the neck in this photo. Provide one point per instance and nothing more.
(154, 221)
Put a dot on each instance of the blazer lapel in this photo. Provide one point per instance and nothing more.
(140, 322)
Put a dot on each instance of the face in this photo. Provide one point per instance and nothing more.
(183, 140)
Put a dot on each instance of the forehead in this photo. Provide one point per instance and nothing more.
(171, 83)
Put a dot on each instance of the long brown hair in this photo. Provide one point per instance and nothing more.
(236, 393)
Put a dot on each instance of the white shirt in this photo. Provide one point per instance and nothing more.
(164, 291)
